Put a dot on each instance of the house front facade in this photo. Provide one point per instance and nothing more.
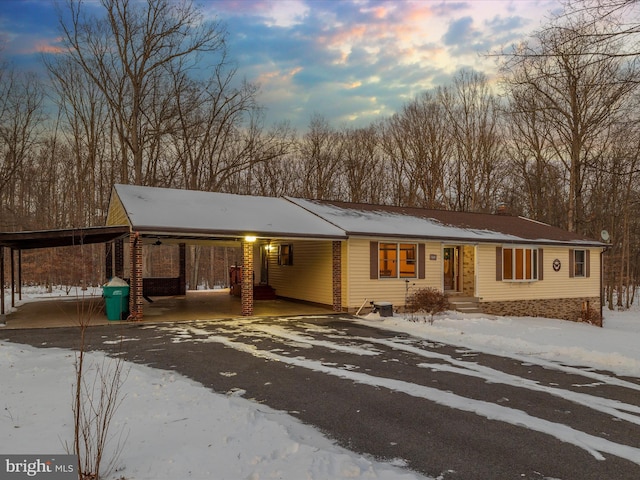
(346, 255)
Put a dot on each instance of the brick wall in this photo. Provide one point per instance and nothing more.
(563, 308)
(337, 275)
(247, 278)
(135, 286)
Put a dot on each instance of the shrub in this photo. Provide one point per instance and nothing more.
(430, 301)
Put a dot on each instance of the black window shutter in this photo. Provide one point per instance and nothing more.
(373, 260)
(421, 261)
(540, 265)
(572, 260)
(498, 264)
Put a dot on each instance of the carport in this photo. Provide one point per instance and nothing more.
(194, 305)
(19, 241)
(174, 216)
(148, 215)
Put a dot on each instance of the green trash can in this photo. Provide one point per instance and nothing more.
(116, 299)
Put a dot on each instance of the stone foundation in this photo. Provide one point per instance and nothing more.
(573, 309)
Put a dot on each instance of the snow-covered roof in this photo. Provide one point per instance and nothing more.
(153, 210)
(390, 221)
(166, 210)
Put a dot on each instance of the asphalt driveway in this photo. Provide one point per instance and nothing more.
(447, 412)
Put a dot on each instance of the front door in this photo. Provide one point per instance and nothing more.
(264, 264)
(451, 266)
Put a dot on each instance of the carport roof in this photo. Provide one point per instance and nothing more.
(29, 240)
(152, 210)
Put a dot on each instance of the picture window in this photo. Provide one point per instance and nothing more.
(397, 260)
(519, 264)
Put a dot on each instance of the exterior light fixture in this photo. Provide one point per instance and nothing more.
(249, 238)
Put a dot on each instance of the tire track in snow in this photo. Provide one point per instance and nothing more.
(594, 445)
(614, 408)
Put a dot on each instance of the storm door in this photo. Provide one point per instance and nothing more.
(451, 268)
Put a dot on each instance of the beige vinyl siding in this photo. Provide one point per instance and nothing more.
(361, 287)
(310, 276)
(116, 214)
(554, 284)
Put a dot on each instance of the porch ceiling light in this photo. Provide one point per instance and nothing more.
(249, 238)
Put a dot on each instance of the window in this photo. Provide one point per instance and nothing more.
(285, 254)
(397, 260)
(579, 263)
(519, 264)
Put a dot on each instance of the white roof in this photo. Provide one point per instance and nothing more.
(189, 213)
(383, 223)
(209, 213)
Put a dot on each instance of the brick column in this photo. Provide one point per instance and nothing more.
(247, 278)
(135, 285)
(337, 275)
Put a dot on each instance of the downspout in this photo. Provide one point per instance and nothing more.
(601, 286)
(13, 279)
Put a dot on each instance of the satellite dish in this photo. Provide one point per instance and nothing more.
(605, 235)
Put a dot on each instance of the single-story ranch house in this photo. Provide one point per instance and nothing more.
(346, 254)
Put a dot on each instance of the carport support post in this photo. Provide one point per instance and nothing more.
(183, 268)
(337, 275)
(13, 280)
(108, 260)
(247, 278)
(135, 290)
(1, 280)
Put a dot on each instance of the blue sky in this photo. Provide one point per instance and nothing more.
(351, 61)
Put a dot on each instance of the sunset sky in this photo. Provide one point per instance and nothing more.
(351, 61)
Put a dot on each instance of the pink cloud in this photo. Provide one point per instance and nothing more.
(44, 47)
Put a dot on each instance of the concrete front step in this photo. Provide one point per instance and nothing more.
(465, 304)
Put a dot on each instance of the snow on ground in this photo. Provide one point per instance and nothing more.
(538, 340)
(176, 428)
(171, 426)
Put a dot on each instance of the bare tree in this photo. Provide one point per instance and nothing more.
(129, 54)
(579, 88)
(400, 190)
(477, 142)
(537, 185)
(423, 143)
(621, 17)
(320, 152)
(362, 170)
(21, 117)
(84, 126)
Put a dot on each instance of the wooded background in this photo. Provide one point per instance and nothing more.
(146, 94)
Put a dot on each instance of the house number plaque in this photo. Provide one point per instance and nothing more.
(556, 265)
